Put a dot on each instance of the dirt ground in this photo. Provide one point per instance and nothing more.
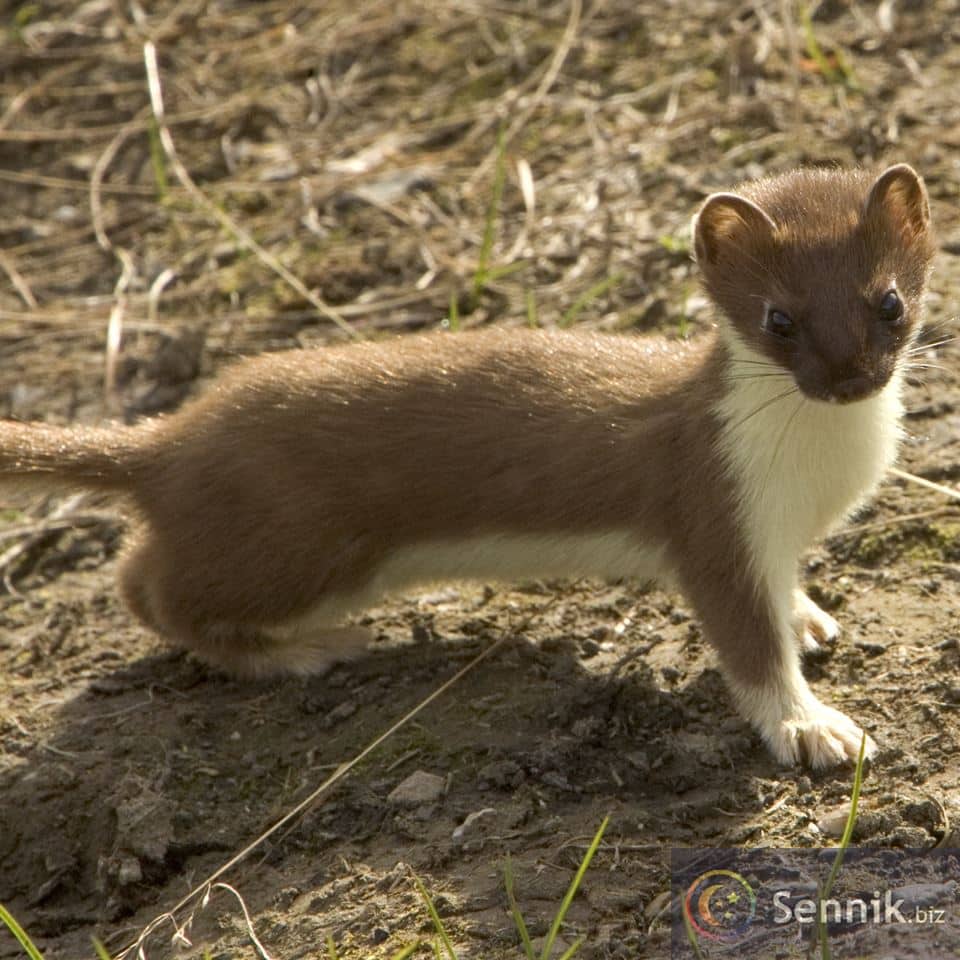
(357, 142)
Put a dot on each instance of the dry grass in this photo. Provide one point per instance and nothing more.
(618, 118)
(328, 170)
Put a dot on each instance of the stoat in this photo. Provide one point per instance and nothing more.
(304, 485)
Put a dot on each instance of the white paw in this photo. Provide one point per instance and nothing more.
(815, 626)
(808, 642)
(817, 736)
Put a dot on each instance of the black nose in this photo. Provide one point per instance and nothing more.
(853, 388)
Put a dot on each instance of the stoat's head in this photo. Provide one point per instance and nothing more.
(820, 272)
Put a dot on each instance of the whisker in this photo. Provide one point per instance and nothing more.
(779, 446)
(929, 365)
(932, 345)
(763, 406)
(745, 377)
(934, 329)
(757, 363)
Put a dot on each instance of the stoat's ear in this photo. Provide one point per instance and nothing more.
(899, 199)
(726, 221)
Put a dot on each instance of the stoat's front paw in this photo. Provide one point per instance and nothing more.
(817, 736)
(814, 626)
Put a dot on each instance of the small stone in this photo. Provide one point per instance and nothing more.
(418, 789)
(560, 946)
(129, 871)
(379, 936)
(908, 837)
(924, 813)
(917, 895)
(502, 774)
(833, 822)
(589, 648)
(340, 712)
(557, 780)
(587, 728)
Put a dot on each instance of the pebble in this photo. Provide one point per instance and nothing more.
(339, 713)
(833, 822)
(502, 774)
(129, 871)
(418, 789)
(589, 648)
(926, 894)
(557, 780)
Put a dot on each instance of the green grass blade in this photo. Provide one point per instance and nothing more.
(841, 853)
(157, 160)
(822, 927)
(572, 891)
(453, 318)
(591, 293)
(515, 911)
(331, 948)
(533, 320)
(407, 951)
(691, 936)
(506, 269)
(437, 922)
(100, 950)
(21, 935)
(482, 275)
(851, 818)
(573, 948)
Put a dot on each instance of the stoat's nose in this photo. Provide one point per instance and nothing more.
(852, 388)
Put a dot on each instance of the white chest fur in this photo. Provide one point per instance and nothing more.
(800, 466)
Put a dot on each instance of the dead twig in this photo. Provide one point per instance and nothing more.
(342, 770)
(16, 278)
(57, 520)
(923, 482)
(892, 521)
(519, 121)
(267, 258)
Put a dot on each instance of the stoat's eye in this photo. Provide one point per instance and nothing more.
(778, 323)
(891, 307)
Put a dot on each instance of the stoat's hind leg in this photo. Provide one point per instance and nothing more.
(813, 625)
(246, 651)
(167, 600)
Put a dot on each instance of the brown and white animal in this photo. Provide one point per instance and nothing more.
(304, 485)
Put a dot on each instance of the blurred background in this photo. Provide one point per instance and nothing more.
(187, 181)
(410, 164)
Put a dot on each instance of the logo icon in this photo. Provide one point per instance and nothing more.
(720, 905)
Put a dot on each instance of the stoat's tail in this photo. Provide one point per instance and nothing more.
(97, 458)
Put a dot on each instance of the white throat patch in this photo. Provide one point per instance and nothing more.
(800, 466)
